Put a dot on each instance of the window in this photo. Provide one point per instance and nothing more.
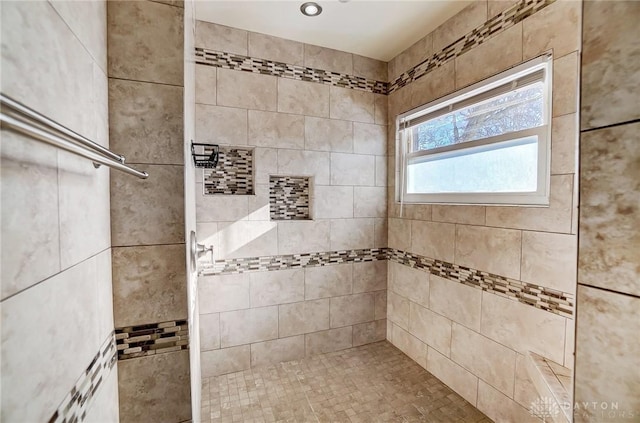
(486, 144)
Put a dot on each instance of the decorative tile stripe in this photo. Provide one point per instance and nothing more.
(283, 70)
(289, 197)
(154, 338)
(266, 263)
(490, 28)
(233, 174)
(75, 405)
(547, 299)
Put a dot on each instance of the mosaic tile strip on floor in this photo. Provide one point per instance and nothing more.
(268, 67)
(372, 383)
(154, 338)
(75, 405)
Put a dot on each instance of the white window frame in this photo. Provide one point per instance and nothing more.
(539, 198)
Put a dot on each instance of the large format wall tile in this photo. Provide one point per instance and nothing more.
(274, 48)
(459, 25)
(410, 345)
(305, 163)
(221, 38)
(610, 55)
(303, 98)
(145, 42)
(350, 104)
(494, 250)
(369, 276)
(328, 134)
(30, 229)
(221, 125)
(277, 287)
(247, 326)
(436, 84)
(246, 90)
(351, 309)
(493, 56)
(607, 355)
(556, 28)
(411, 56)
(270, 129)
(610, 208)
(332, 202)
(499, 407)
(352, 169)
(566, 71)
(431, 328)
(205, 84)
(149, 284)
(434, 240)
(456, 377)
(549, 260)
(55, 313)
(398, 309)
(149, 211)
(209, 331)
(328, 281)
(303, 317)
(155, 388)
(522, 327)
(410, 283)
(369, 139)
(145, 121)
(84, 231)
(226, 360)
(369, 68)
(489, 360)
(328, 59)
(223, 293)
(456, 301)
(278, 350)
(328, 340)
(555, 218)
(347, 234)
(296, 237)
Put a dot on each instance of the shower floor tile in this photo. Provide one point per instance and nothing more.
(372, 383)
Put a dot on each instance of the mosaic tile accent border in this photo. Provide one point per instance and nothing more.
(75, 405)
(547, 299)
(267, 263)
(268, 67)
(234, 173)
(289, 198)
(154, 338)
(493, 26)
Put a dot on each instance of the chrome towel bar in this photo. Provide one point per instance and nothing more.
(20, 118)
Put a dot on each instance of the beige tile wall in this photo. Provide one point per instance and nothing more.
(609, 239)
(55, 256)
(337, 136)
(146, 78)
(536, 245)
(267, 317)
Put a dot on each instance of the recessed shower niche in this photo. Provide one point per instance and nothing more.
(233, 174)
(289, 197)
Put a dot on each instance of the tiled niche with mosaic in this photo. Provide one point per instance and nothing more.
(289, 197)
(234, 174)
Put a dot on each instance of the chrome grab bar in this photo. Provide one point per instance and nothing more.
(29, 122)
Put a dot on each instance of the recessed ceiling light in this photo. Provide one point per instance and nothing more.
(310, 9)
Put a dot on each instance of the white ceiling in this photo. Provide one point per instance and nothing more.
(371, 28)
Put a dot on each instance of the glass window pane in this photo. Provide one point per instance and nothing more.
(497, 168)
(515, 111)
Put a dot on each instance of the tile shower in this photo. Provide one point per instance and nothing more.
(314, 263)
(438, 282)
